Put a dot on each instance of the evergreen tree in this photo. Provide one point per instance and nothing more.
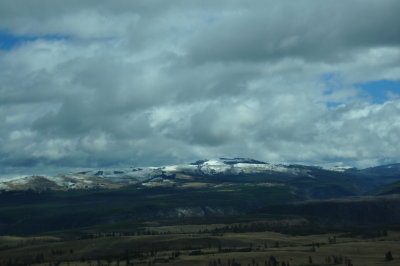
(388, 256)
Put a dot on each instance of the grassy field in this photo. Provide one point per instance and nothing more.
(199, 245)
(224, 223)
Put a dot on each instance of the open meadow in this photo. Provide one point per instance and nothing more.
(203, 245)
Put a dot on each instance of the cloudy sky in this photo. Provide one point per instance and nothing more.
(95, 83)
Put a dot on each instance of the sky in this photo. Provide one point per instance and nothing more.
(99, 84)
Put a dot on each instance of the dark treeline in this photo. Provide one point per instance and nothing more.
(305, 229)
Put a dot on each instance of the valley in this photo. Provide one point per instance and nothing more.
(199, 244)
(226, 212)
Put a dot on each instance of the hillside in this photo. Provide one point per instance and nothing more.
(317, 182)
(208, 188)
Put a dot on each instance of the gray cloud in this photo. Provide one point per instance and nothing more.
(155, 82)
(324, 31)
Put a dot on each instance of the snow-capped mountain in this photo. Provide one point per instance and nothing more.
(147, 176)
(115, 178)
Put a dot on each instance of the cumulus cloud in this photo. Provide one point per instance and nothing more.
(155, 82)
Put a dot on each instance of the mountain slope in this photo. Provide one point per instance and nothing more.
(222, 187)
(316, 182)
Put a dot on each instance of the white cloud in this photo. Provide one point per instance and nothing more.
(150, 82)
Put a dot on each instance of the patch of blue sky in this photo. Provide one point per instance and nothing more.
(332, 82)
(379, 91)
(9, 41)
(332, 105)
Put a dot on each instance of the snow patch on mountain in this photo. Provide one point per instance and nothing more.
(149, 176)
(341, 168)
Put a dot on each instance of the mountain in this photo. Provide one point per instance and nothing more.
(390, 172)
(315, 182)
(117, 178)
(387, 189)
(208, 188)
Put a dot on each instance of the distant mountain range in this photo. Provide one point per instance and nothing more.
(314, 182)
(207, 188)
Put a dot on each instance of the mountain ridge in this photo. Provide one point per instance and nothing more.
(222, 169)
